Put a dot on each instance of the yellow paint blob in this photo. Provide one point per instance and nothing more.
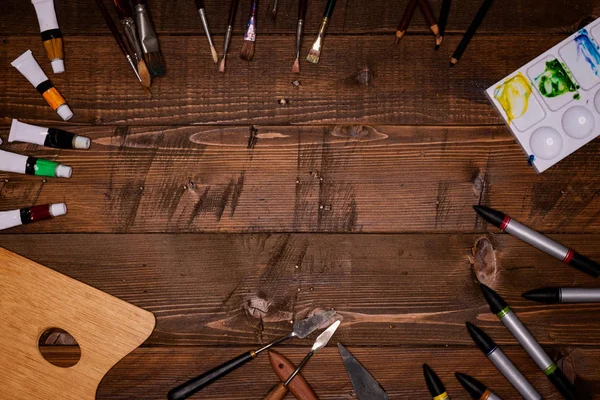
(513, 96)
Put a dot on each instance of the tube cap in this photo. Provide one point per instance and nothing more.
(63, 171)
(58, 209)
(81, 142)
(58, 66)
(65, 112)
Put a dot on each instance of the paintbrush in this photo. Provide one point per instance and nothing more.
(444, 12)
(301, 17)
(150, 47)
(120, 43)
(232, 11)
(405, 21)
(247, 52)
(125, 15)
(425, 7)
(315, 51)
(200, 7)
(274, 10)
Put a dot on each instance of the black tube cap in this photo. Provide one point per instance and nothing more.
(490, 215)
(481, 339)
(494, 300)
(475, 388)
(544, 295)
(560, 381)
(434, 384)
(586, 265)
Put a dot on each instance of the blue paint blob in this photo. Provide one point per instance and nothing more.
(530, 160)
(590, 51)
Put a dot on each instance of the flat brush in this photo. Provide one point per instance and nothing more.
(125, 15)
(232, 11)
(247, 52)
(315, 51)
(150, 46)
(120, 43)
(405, 21)
(200, 8)
(299, 29)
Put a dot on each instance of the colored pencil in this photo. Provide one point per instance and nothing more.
(405, 21)
(427, 11)
(444, 13)
(462, 46)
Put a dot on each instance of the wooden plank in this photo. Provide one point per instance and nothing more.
(350, 16)
(149, 373)
(101, 89)
(391, 290)
(305, 179)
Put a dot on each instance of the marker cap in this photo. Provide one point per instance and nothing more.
(434, 383)
(493, 299)
(81, 142)
(58, 66)
(65, 112)
(63, 171)
(58, 209)
(481, 339)
(475, 388)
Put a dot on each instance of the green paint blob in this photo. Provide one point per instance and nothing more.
(45, 168)
(556, 80)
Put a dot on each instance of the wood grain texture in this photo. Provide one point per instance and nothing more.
(194, 92)
(150, 373)
(391, 290)
(350, 16)
(305, 179)
(34, 298)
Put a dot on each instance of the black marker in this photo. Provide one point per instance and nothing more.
(564, 295)
(476, 389)
(434, 384)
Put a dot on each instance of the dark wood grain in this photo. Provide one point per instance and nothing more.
(305, 179)
(412, 84)
(391, 290)
(77, 17)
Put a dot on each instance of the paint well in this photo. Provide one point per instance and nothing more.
(582, 57)
(546, 143)
(578, 122)
(515, 97)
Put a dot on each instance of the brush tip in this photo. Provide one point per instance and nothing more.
(296, 67)
(215, 56)
(313, 56)
(155, 63)
(247, 52)
(222, 65)
(144, 74)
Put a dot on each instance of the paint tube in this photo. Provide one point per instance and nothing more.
(12, 218)
(28, 66)
(51, 34)
(12, 162)
(49, 137)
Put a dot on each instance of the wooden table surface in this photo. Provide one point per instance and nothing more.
(228, 214)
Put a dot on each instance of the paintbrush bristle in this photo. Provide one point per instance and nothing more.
(144, 73)
(296, 67)
(313, 56)
(215, 56)
(222, 65)
(155, 63)
(247, 52)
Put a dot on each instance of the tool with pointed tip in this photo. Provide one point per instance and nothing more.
(279, 391)
(301, 330)
(434, 384)
(365, 386)
(476, 389)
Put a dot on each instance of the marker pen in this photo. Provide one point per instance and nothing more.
(12, 218)
(536, 239)
(434, 384)
(504, 365)
(12, 162)
(49, 137)
(528, 342)
(28, 66)
(476, 389)
(564, 295)
(51, 34)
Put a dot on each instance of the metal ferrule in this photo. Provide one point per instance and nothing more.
(536, 239)
(227, 40)
(321, 35)
(527, 341)
(134, 68)
(493, 396)
(250, 34)
(132, 37)
(205, 26)
(299, 30)
(513, 375)
(146, 30)
(579, 295)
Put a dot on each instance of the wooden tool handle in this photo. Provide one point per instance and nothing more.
(329, 9)
(112, 26)
(192, 386)
(232, 12)
(302, 9)
(284, 368)
(199, 4)
(277, 393)
(123, 9)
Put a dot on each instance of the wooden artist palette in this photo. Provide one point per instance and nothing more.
(552, 104)
(34, 298)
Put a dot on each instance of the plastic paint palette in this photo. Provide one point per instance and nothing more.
(552, 104)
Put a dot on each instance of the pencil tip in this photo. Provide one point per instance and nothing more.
(453, 62)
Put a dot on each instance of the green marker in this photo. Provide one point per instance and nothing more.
(499, 307)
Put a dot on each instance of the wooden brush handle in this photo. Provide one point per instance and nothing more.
(137, 2)
(302, 9)
(192, 386)
(407, 16)
(199, 4)
(284, 369)
(329, 9)
(112, 26)
(277, 393)
(232, 11)
(123, 9)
